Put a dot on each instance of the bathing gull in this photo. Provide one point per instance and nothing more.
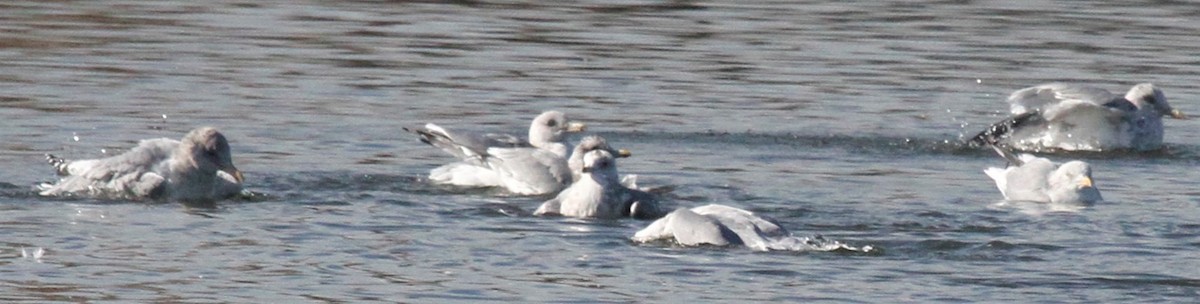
(721, 225)
(197, 169)
(1082, 118)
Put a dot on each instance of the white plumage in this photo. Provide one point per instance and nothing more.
(1038, 179)
(533, 167)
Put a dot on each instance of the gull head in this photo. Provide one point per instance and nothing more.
(593, 142)
(209, 149)
(601, 166)
(552, 126)
(1147, 95)
(1072, 183)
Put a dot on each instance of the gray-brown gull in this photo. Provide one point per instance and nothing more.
(1076, 117)
(532, 167)
(197, 169)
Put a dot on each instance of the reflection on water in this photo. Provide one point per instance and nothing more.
(839, 119)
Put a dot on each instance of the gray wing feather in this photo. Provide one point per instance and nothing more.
(466, 145)
(136, 172)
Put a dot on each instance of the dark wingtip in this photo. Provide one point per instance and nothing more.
(426, 136)
(992, 135)
(59, 164)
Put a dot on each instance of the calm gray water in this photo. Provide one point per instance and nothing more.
(837, 118)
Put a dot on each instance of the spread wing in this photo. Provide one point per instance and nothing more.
(1042, 97)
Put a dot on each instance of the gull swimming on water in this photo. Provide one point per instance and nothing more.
(1076, 117)
(599, 194)
(538, 166)
(197, 169)
(1036, 179)
(721, 225)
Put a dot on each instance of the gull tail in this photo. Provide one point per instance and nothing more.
(434, 135)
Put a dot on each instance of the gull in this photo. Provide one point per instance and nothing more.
(1036, 179)
(1082, 118)
(197, 169)
(713, 224)
(533, 167)
(721, 225)
(600, 194)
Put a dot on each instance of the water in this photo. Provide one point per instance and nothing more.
(839, 119)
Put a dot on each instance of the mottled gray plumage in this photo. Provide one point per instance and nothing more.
(199, 168)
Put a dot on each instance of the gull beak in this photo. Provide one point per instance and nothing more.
(237, 175)
(1177, 114)
(576, 127)
(624, 153)
(1086, 182)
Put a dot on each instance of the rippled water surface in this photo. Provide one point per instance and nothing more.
(840, 119)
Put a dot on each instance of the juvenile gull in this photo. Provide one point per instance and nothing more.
(722, 225)
(599, 194)
(538, 166)
(1076, 117)
(197, 169)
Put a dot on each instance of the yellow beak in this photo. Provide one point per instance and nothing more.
(1177, 114)
(576, 127)
(624, 153)
(1086, 182)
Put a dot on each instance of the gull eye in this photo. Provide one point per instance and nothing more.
(211, 154)
(1150, 99)
(552, 123)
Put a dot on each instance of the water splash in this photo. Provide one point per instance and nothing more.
(33, 253)
(813, 243)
